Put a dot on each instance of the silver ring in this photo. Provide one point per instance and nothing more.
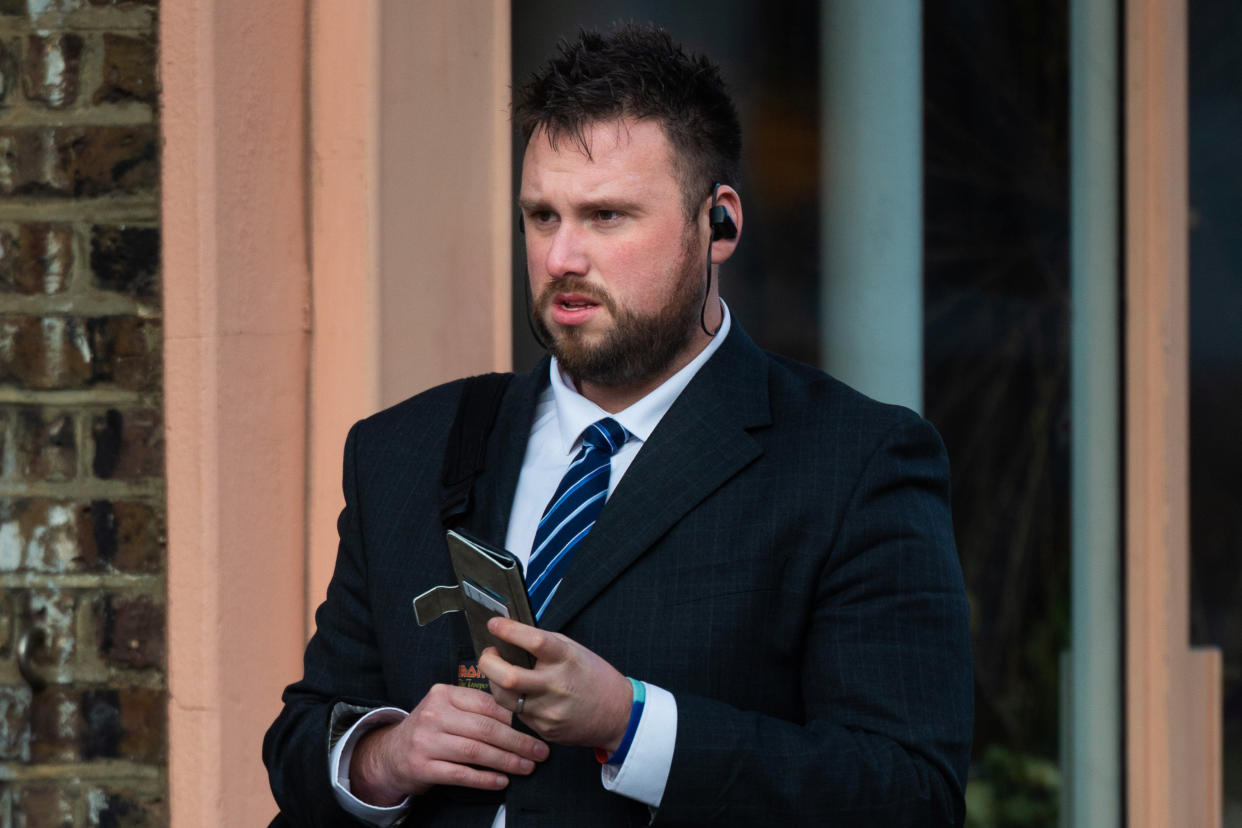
(521, 704)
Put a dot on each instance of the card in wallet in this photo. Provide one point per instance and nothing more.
(489, 583)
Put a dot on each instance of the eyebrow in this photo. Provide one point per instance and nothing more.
(622, 205)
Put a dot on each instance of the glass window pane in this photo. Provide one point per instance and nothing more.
(996, 347)
(1215, 30)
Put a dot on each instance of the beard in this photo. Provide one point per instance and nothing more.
(638, 347)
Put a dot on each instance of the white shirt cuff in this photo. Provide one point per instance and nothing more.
(338, 769)
(644, 773)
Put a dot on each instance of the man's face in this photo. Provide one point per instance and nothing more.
(616, 272)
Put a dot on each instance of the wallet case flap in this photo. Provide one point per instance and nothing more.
(489, 583)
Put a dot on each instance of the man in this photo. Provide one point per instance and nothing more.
(765, 622)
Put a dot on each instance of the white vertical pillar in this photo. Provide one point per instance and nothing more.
(1095, 583)
(871, 308)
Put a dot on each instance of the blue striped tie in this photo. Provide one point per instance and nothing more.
(572, 511)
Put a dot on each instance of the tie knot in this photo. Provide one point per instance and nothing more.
(606, 434)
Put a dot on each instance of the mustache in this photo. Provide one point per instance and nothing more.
(577, 285)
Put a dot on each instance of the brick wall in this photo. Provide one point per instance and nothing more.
(82, 555)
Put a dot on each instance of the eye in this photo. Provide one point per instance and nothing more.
(541, 217)
(607, 216)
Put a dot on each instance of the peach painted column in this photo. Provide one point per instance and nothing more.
(446, 209)
(412, 217)
(344, 175)
(236, 351)
(1173, 692)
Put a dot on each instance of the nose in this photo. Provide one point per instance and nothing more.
(567, 253)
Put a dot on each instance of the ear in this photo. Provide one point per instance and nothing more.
(728, 198)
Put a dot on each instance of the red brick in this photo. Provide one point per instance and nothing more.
(130, 631)
(128, 445)
(8, 618)
(44, 351)
(51, 69)
(123, 536)
(125, 351)
(94, 161)
(81, 161)
(55, 725)
(39, 443)
(128, 69)
(70, 725)
(53, 610)
(57, 536)
(127, 807)
(8, 68)
(43, 806)
(101, 720)
(36, 258)
(14, 724)
(39, 536)
(144, 725)
(21, 160)
(22, 7)
(126, 259)
(55, 352)
(12, 541)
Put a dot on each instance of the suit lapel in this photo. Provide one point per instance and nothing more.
(700, 444)
(506, 448)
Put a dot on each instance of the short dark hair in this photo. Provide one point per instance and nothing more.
(638, 72)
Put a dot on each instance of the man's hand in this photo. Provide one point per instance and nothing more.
(451, 729)
(573, 697)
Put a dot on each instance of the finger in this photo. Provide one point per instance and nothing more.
(500, 735)
(510, 701)
(506, 698)
(472, 714)
(505, 676)
(459, 750)
(480, 703)
(543, 645)
(451, 773)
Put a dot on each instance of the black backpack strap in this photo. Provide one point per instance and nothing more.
(467, 443)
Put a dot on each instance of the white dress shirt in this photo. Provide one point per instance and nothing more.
(561, 415)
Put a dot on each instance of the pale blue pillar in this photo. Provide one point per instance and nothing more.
(1094, 762)
(871, 309)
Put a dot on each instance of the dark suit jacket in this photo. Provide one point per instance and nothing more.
(779, 556)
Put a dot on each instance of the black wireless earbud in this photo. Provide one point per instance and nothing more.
(721, 223)
(723, 227)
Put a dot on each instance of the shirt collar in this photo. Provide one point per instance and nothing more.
(575, 412)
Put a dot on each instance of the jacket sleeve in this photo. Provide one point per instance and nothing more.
(341, 678)
(886, 675)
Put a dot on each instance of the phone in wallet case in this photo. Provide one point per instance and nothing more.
(489, 583)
